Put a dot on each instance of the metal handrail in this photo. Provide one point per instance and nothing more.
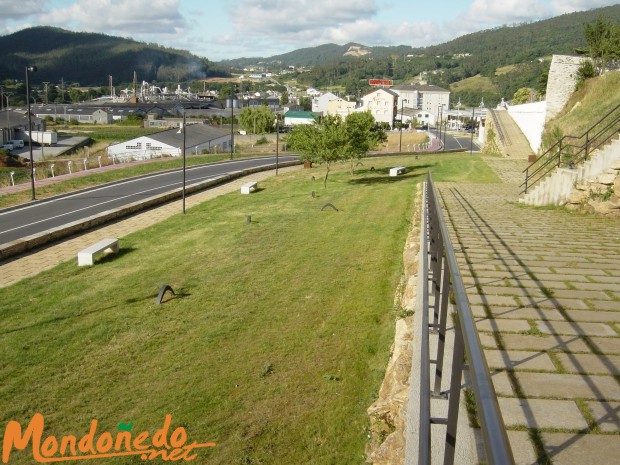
(574, 149)
(446, 278)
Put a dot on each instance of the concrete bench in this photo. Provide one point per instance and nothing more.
(87, 256)
(249, 187)
(397, 170)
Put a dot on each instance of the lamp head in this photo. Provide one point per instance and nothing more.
(31, 69)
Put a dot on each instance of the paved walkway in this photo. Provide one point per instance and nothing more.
(544, 285)
(30, 264)
(514, 144)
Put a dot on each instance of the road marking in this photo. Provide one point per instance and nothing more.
(95, 205)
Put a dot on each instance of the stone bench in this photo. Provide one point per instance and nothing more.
(87, 256)
(249, 187)
(397, 170)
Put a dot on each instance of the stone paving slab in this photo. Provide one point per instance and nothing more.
(519, 360)
(590, 363)
(527, 313)
(534, 291)
(606, 414)
(541, 413)
(593, 316)
(577, 328)
(491, 300)
(574, 304)
(613, 305)
(522, 449)
(569, 386)
(577, 271)
(540, 343)
(582, 449)
(504, 325)
(606, 345)
(609, 286)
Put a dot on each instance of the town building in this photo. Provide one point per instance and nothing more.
(294, 118)
(341, 107)
(382, 105)
(319, 102)
(198, 138)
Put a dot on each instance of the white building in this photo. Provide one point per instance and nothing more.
(294, 118)
(423, 97)
(198, 137)
(382, 105)
(341, 107)
(319, 102)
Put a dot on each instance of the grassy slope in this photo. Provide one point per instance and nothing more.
(588, 105)
(474, 83)
(277, 345)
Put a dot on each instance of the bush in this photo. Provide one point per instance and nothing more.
(262, 141)
(586, 71)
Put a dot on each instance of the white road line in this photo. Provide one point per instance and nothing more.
(91, 206)
(26, 207)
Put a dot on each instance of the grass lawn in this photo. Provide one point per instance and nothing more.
(278, 338)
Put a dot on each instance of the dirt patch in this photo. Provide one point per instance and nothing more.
(9, 161)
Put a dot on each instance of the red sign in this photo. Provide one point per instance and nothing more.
(380, 82)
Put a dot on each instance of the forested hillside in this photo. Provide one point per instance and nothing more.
(509, 57)
(88, 59)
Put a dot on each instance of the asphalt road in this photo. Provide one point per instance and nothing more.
(41, 216)
(458, 140)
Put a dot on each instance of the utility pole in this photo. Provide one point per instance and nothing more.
(45, 90)
(232, 120)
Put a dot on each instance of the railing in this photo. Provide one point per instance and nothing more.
(501, 132)
(446, 279)
(569, 151)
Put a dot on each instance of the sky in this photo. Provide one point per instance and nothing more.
(227, 29)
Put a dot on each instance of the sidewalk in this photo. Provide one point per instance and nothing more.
(544, 285)
(30, 264)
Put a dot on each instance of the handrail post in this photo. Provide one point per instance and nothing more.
(560, 152)
(458, 361)
(587, 146)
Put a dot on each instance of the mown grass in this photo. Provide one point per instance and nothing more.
(275, 345)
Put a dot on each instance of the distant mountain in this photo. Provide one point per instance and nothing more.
(313, 56)
(89, 59)
(509, 44)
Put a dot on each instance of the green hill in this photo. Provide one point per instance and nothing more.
(89, 59)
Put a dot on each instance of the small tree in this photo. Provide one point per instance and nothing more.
(521, 96)
(324, 141)
(256, 120)
(362, 136)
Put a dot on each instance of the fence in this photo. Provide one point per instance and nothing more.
(442, 286)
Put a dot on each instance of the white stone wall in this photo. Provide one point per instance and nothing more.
(561, 83)
(530, 117)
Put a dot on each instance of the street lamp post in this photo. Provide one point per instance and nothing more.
(30, 69)
(400, 141)
(184, 164)
(232, 120)
(277, 143)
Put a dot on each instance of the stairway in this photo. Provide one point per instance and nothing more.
(513, 142)
(556, 188)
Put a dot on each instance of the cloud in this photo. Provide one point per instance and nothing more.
(21, 9)
(300, 19)
(130, 18)
(568, 6)
(505, 12)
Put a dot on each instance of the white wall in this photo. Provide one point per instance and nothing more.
(530, 117)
